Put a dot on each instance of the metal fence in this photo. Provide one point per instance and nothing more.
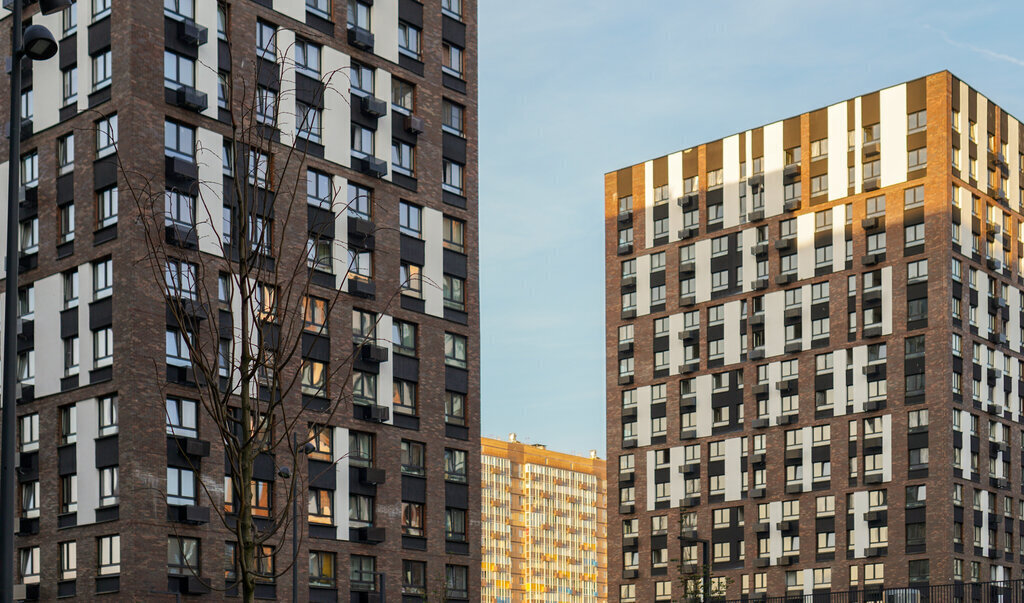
(1004, 591)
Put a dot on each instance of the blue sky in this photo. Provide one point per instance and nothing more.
(571, 89)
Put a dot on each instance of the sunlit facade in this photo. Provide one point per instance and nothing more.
(543, 525)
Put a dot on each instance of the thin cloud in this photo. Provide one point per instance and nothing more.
(984, 51)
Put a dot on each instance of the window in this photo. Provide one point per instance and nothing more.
(452, 8)
(28, 236)
(451, 59)
(454, 408)
(453, 117)
(456, 581)
(410, 278)
(179, 209)
(181, 486)
(917, 271)
(179, 141)
(918, 120)
(413, 458)
(314, 378)
(30, 170)
(318, 189)
(69, 85)
(106, 207)
(409, 40)
(30, 499)
(819, 185)
(321, 569)
(29, 565)
(362, 141)
(455, 525)
(402, 96)
(358, 15)
(819, 148)
(414, 577)
(360, 201)
(178, 71)
(403, 337)
(68, 559)
(177, 348)
(402, 157)
(913, 197)
(361, 79)
(452, 177)
(101, 70)
(266, 105)
(364, 388)
(360, 446)
(184, 9)
(180, 279)
(360, 510)
(320, 8)
(318, 254)
(321, 506)
(103, 347)
(455, 465)
(181, 417)
(264, 569)
(71, 356)
(309, 123)
(913, 235)
(108, 486)
(307, 58)
(455, 298)
(28, 438)
(455, 350)
(266, 46)
(454, 234)
(108, 415)
(69, 20)
(404, 397)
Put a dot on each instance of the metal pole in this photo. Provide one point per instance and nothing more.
(295, 523)
(706, 589)
(10, 349)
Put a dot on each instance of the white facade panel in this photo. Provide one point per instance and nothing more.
(773, 166)
(731, 181)
(837, 152)
(893, 111)
(337, 116)
(210, 203)
(433, 268)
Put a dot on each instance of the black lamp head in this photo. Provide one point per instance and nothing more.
(38, 43)
(48, 7)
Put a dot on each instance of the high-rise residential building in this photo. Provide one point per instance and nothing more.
(815, 351)
(367, 162)
(543, 524)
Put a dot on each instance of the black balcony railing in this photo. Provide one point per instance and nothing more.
(1005, 591)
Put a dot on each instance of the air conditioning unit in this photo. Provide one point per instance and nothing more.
(414, 124)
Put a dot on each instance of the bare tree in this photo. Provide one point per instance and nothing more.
(245, 249)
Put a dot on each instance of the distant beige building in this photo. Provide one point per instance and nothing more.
(544, 525)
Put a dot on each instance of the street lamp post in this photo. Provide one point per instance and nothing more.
(37, 44)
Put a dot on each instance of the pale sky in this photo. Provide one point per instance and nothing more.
(572, 89)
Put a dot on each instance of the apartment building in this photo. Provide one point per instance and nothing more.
(826, 393)
(122, 486)
(543, 524)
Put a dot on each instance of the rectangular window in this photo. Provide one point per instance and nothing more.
(101, 70)
(455, 350)
(455, 465)
(452, 60)
(409, 40)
